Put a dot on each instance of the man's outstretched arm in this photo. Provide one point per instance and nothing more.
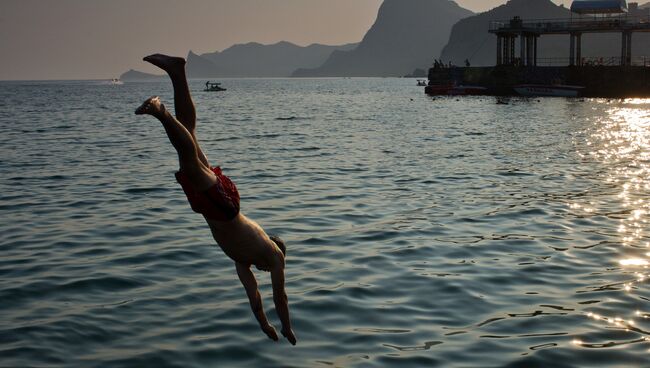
(250, 284)
(281, 301)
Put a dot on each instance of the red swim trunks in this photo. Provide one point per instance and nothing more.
(219, 203)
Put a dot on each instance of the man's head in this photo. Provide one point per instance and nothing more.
(280, 244)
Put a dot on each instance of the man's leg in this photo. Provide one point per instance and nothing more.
(185, 111)
(200, 175)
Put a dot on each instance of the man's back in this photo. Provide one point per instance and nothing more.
(245, 242)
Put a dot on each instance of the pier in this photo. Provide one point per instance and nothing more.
(613, 78)
(528, 32)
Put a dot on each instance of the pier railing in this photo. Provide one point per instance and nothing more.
(594, 61)
(577, 24)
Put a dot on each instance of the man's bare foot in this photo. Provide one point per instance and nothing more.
(270, 332)
(170, 64)
(152, 106)
(289, 335)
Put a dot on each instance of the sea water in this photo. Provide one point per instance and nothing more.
(421, 232)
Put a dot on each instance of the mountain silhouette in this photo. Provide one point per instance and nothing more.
(470, 38)
(134, 75)
(251, 60)
(257, 60)
(407, 34)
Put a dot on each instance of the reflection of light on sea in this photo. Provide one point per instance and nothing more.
(622, 142)
(633, 262)
(632, 149)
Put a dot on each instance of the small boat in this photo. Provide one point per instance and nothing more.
(213, 87)
(551, 90)
(422, 82)
(452, 90)
(116, 81)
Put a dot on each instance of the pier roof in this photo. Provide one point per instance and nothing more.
(572, 25)
(599, 6)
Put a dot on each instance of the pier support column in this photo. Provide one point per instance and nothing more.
(522, 50)
(628, 49)
(499, 50)
(530, 47)
(623, 48)
(535, 51)
(502, 49)
(578, 49)
(512, 49)
(572, 50)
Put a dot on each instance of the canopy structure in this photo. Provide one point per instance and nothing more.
(599, 6)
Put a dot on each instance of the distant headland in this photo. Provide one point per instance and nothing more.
(252, 60)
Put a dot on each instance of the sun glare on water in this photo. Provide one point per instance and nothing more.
(620, 140)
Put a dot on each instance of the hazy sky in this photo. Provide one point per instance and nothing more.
(86, 39)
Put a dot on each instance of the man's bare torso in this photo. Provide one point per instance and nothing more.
(245, 242)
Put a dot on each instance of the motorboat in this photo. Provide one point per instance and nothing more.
(551, 90)
(422, 82)
(213, 87)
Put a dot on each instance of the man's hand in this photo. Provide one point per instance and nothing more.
(280, 300)
(289, 335)
(270, 332)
